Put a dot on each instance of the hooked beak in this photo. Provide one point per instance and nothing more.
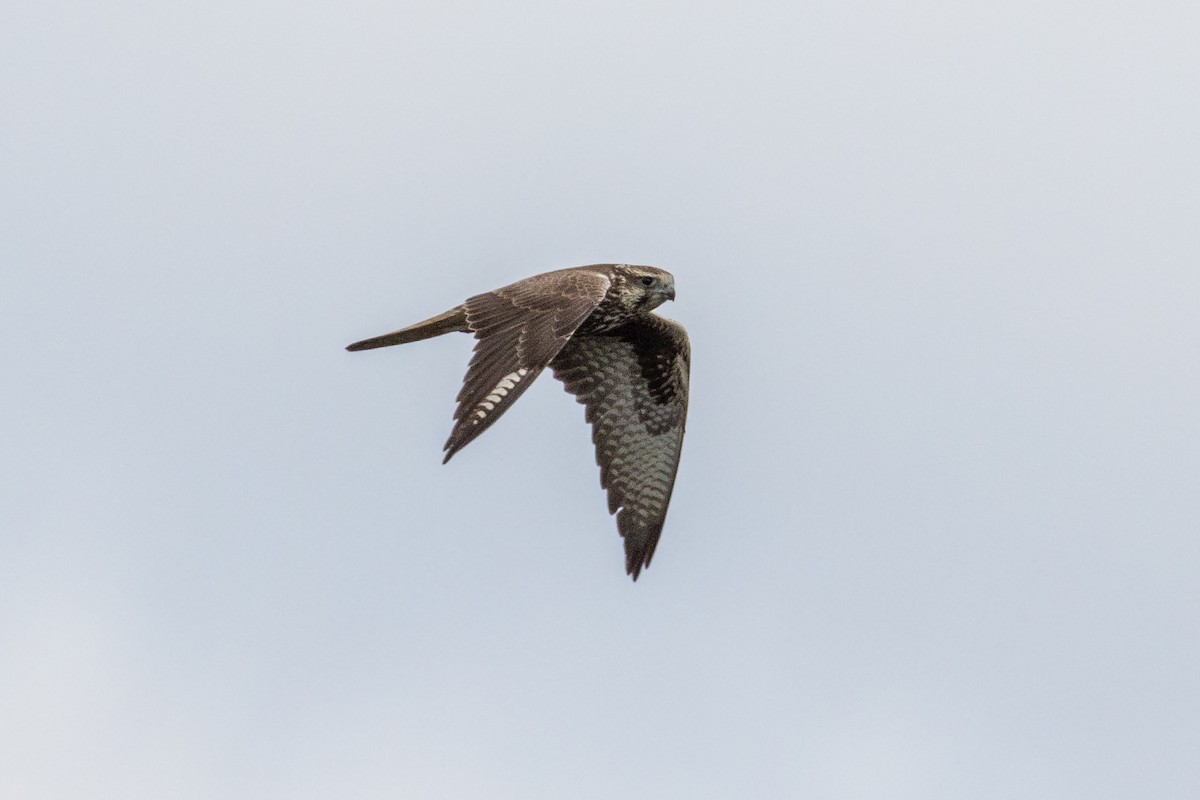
(668, 291)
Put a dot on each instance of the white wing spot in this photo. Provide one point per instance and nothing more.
(501, 390)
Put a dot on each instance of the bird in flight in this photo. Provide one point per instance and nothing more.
(593, 327)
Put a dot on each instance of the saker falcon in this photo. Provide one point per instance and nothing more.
(593, 327)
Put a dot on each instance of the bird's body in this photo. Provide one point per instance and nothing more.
(593, 327)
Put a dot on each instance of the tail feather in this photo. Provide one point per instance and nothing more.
(452, 321)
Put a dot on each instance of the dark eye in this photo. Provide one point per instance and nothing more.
(646, 281)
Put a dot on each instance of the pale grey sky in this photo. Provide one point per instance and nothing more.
(936, 530)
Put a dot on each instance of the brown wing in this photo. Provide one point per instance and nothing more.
(520, 328)
(634, 382)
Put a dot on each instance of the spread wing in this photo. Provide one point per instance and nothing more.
(520, 328)
(634, 382)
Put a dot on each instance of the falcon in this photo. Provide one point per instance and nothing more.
(594, 328)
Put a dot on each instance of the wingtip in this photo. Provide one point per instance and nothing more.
(634, 567)
(451, 447)
(640, 543)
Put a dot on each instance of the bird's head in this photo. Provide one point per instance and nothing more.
(644, 288)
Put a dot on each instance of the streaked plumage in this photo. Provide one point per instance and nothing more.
(593, 327)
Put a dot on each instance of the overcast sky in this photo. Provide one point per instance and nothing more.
(936, 533)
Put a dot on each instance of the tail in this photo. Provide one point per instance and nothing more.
(453, 320)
